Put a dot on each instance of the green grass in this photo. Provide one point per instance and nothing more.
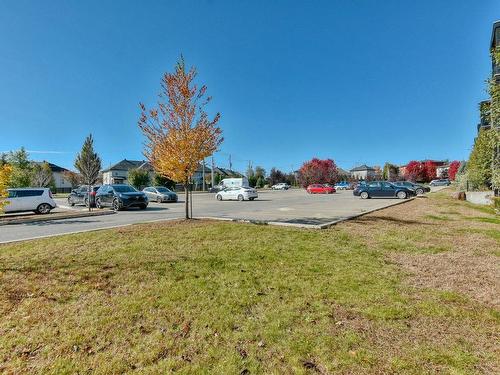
(227, 298)
(492, 220)
(436, 217)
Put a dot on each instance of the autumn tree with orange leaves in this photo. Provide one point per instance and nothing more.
(179, 133)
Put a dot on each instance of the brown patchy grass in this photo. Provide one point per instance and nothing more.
(396, 291)
(448, 249)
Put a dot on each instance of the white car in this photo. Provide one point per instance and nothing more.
(38, 200)
(240, 193)
(281, 186)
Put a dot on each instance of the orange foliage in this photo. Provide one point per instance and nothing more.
(178, 131)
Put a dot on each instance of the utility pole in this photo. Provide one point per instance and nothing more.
(203, 173)
(230, 164)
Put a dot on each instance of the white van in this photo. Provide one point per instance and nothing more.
(234, 182)
(38, 200)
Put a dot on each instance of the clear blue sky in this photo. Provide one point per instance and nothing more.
(356, 81)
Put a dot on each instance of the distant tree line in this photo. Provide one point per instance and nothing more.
(25, 172)
(259, 178)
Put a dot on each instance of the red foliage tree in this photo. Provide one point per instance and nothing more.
(452, 172)
(317, 171)
(430, 170)
(415, 171)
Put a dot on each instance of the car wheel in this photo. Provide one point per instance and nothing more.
(241, 198)
(402, 194)
(251, 199)
(364, 195)
(219, 197)
(158, 199)
(70, 202)
(419, 191)
(143, 207)
(98, 203)
(44, 208)
(116, 205)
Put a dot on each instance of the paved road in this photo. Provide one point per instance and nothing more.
(292, 206)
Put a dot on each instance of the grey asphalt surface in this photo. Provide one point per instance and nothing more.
(293, 206)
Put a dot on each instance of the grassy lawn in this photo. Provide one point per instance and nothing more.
(411, 289)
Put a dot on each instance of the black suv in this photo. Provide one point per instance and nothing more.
(120, 197)
(81, 195)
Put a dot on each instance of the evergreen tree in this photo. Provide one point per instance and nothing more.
(88, 163)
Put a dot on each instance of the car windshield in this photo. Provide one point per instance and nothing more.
(124, 188)
(162, 190)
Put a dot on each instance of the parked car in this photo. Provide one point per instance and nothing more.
(160, 194)
(281, 186)
(440, 182)
(320, 189)
(343, 185)
(120, 197)
(240, 193)
(38, 200)
(81, 195)
(215, 189)
(382, 189)
(419, 189)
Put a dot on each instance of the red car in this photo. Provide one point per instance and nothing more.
(320, 189)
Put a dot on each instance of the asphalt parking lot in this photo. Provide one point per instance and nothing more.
(291, 207)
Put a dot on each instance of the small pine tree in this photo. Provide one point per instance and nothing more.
(88, 163)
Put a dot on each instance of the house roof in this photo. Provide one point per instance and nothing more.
(126, 165)
(200, 168)
(53, 167)
(342, 172)
(363, 167)
(226, 172)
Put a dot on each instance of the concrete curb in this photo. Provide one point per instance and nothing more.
(31, 219)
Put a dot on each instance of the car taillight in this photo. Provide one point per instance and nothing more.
(50, 194)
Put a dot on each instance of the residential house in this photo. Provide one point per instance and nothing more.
(118, 173)
(402, 170)
(363, 172)
(442, 170)
(343, 174)
(62, 184)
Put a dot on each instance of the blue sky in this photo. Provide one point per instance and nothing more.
(356, 81)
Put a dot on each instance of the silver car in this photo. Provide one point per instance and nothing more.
(160, 194)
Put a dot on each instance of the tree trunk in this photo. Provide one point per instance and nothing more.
(186, 200)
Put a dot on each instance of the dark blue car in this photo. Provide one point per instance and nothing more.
(382, 189)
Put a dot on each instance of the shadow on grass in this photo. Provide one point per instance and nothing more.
(309, 220)
(376, 219)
